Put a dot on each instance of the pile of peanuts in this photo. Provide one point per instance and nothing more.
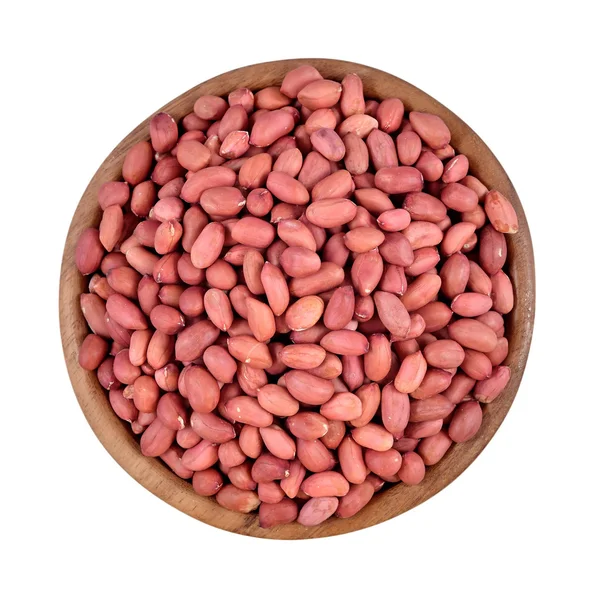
(296, 296)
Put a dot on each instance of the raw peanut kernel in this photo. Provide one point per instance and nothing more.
(299, 296)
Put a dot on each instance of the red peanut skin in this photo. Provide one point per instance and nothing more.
(465, 422)
(123, 407)
(267, 201)
(157, 439)
(412, 471)
(432, 449)
(370, 396)
(385, 464)
(373, 436)
(270, 492)
(423, 428)
(207, 482)
(298, 78)
(489, 389)
(395, 409)
(269, 468)
(331, 483)
(92, 352)
(172, 457)
(314, 456)
(291, 484)
(351, 459)
(333, 438)
(317, 510)
(230, 454)
(270, 515)
(243, 501)
(241, 477)
(250, 441)
(200, 457)
(375, 481)
(357, 498)
(405, 444)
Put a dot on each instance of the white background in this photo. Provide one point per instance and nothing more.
(522, 520)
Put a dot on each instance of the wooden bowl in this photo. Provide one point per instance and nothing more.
(116, 436)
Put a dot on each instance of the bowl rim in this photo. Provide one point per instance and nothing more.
(154, 475)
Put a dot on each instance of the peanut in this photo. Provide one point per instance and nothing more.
(262, 302)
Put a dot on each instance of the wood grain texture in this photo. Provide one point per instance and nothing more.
(116, 436)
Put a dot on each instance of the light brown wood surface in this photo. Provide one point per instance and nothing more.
(116, 436)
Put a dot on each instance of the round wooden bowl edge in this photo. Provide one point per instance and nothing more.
(116, 436)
